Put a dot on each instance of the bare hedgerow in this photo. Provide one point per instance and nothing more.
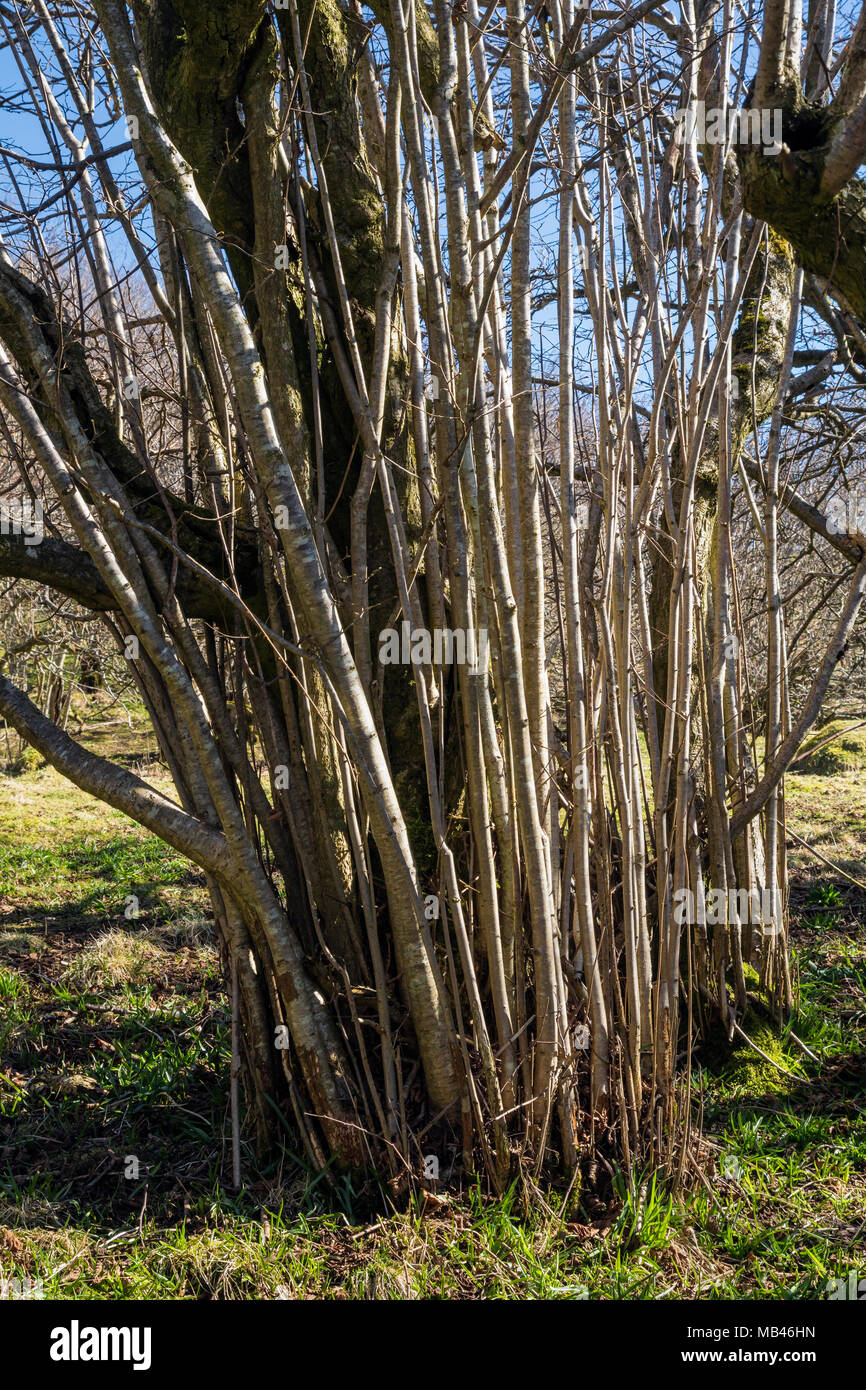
(526, 332)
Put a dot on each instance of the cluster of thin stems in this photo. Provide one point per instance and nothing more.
(530, 971)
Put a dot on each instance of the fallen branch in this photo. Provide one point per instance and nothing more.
(824, 860)
(805, 1080)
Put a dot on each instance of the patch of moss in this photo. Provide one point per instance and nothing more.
(830, 750)
(740, 1068)
(748, 1069)
(28, 760)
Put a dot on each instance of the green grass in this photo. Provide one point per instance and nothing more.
(114, 1037)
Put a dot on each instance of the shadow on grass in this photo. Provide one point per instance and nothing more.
(108, 873)
(115, 1106)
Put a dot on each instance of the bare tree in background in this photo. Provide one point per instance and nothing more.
(269, 352)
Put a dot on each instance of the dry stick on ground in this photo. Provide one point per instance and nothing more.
(824, 860)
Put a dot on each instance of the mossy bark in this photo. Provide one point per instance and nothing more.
(827, 233)
(222, 128)
(757, 350)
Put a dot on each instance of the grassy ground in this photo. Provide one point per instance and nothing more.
(114, 1131)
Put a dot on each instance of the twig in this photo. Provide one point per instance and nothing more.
(824, 860)
(831, 738)
(808, 1051)
(235, 1074)
(806, 1081)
